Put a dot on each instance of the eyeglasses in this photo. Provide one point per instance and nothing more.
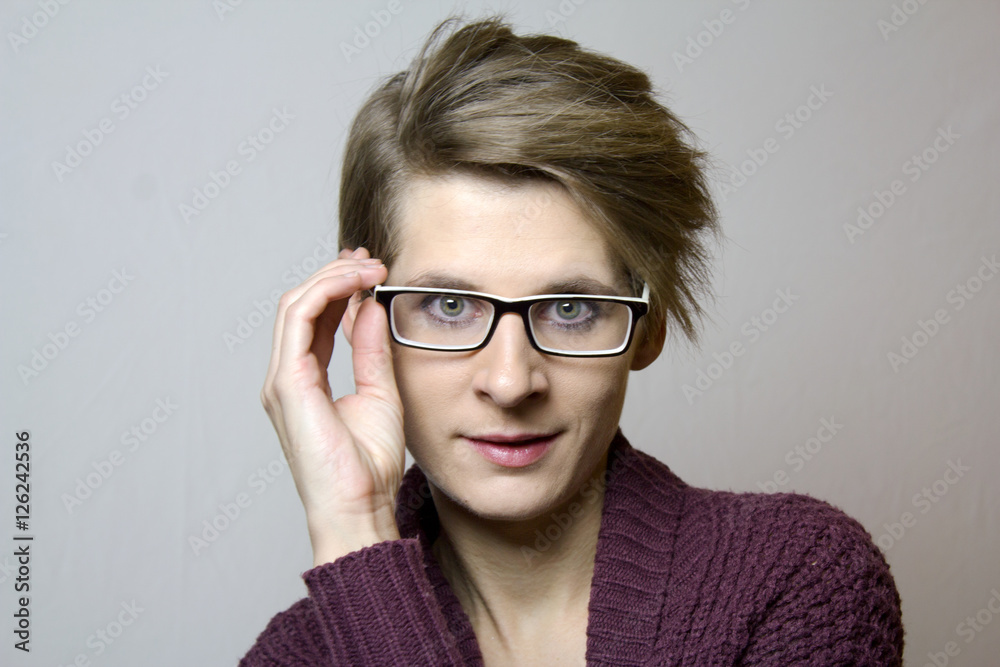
(567, 325)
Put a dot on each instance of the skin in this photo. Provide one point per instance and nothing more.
(527, 607)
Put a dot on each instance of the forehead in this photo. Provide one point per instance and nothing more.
(510, 239)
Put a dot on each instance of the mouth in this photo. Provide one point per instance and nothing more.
(512, 450)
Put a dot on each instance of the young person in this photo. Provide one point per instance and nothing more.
(533, 224)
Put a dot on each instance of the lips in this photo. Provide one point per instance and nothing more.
(513, 440)
(512, 450)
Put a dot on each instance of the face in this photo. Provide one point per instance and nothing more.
(462, 410)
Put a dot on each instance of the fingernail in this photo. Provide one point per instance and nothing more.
(352, 274)
(371, 262)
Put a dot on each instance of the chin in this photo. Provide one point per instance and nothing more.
(510, 515)
(511, 504)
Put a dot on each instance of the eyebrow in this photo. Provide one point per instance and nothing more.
(575, 285)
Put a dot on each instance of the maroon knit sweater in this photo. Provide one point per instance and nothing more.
(682, 576)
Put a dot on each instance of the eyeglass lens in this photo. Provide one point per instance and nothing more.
(456, 321)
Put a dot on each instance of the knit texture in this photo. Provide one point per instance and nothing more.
(682, 576)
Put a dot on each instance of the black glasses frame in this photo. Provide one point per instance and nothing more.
(639, 307)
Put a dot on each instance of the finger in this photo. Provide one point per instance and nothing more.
(338, 266)
(332, 293)
(332, 318)
(350, 315)
(335, 268)
(270, 396)
(360, 253)
(372, 354)
(371, 271)
(327, 324)
(299, 381)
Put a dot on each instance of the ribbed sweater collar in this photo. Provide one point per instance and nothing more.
(643, 503)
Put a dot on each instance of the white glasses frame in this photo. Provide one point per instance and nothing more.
(639, 306)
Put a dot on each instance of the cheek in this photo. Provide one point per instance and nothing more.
(410, 381)
(426, 387)
(595, 392)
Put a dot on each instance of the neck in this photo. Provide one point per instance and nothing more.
(516, 573)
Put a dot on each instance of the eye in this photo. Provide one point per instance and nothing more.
(568, 314)
(451, 306)
(568, 310)
(451, 310)
(571, 310)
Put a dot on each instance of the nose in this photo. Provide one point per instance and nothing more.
(509, 370)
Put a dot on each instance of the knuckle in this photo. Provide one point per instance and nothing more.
(293, 310)
(277, 391)
(286, 300)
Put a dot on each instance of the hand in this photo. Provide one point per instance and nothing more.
(346, 455)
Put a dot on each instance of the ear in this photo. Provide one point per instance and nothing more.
(654, 335)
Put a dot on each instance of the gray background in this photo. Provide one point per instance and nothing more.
(195, 286)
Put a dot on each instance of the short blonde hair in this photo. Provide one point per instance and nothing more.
(478, 97)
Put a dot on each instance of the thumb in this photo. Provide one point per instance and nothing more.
(372, 354)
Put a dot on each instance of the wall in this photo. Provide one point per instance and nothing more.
(170, 168)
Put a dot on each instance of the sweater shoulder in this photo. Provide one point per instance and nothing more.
(812, 583)
(790, 517)
(756, 540)
(780, 578)
(799, 522)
